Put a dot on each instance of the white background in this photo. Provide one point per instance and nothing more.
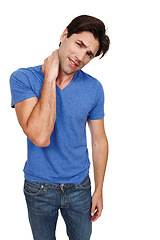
(30, 31)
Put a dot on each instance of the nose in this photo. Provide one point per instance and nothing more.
(81, 55)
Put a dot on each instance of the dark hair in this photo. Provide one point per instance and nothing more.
(93, 25)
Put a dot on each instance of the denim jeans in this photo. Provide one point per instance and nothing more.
(44, 200)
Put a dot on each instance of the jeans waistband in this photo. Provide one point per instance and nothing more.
(57, 185)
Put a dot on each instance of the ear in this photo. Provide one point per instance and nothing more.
(64, 35)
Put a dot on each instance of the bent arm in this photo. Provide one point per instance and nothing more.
(37, 117)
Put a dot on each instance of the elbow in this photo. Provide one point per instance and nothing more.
(40, 142)
(40, 139)
(101, 143)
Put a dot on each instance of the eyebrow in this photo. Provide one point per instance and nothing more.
(90, 52)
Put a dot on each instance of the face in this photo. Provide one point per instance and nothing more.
(76, 51)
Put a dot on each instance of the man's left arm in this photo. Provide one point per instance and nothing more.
(99, 156)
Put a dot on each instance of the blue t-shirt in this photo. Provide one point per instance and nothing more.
(66, 159)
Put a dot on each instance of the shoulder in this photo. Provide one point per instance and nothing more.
(27, 76)
(90, 82)
(25, 83)
(27, 72)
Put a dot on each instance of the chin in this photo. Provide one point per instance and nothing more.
(69, 71)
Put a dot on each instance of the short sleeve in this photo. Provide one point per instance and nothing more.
(20, 87)
(97, 112)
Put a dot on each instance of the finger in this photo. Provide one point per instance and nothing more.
(55, 52)
(96, 215)
(93, 209)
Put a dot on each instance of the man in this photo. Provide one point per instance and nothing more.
(53, 102)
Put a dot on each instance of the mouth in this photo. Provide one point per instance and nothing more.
(72, 63)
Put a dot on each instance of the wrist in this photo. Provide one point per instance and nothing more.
(50, 77)
(50, 80)
(98, 190)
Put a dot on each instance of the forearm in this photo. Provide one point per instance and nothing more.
(100, 157)
(41, 121)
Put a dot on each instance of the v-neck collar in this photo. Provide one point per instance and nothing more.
(68, 85)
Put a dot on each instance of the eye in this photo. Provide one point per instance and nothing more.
(89, 55)
(79, 44)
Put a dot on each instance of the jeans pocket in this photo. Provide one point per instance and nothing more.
(86, 184)
(32, 189)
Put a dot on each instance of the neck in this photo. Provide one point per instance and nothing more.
(64, 77)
